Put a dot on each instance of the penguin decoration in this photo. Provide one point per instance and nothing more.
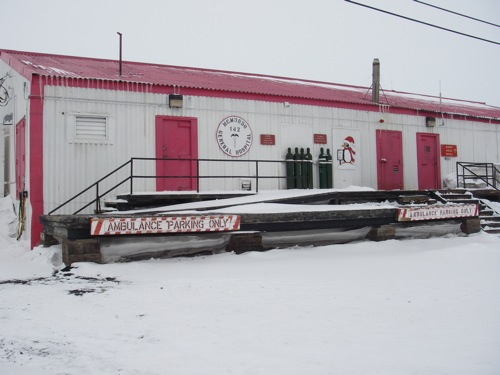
(348, 151)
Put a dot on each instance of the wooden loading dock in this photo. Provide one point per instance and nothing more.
(322, 218)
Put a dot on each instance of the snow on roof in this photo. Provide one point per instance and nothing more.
(244, 83)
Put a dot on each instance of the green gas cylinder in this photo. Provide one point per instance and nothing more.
(297, 169)
(303, 168)
(309, 169)
(322, 169)
(329, 169)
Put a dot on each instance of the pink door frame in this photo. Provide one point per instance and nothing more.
(428, 162)
(389, 159)
(176, 137)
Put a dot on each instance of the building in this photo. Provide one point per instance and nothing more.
(68, 121)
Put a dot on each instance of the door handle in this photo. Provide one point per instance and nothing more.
(383, 160)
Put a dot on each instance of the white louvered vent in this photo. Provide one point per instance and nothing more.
(88, 127)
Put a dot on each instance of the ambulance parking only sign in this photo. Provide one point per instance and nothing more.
(157, 225)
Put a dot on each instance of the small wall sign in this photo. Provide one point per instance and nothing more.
(234, 136)
(449, 151)
(267, 139)
(320, 139)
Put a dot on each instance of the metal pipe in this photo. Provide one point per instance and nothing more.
(198, 175)
(97, 200)
(132, 176)
(376, 81)
(256, 176)
(120, 61)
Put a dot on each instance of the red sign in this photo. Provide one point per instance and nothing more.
(320, 139)
(156, 225)
(267, 139)
(449, 151)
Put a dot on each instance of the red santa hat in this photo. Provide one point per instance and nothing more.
(349, 139)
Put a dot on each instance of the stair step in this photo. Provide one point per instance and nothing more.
(492, 231)
(487, 212)
(490, 217)
(463, 200)
(415, 199)
(454, 196)
(489, 223)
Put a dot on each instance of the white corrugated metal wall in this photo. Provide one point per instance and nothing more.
(70, 166)
(18, 89)
(16, 105)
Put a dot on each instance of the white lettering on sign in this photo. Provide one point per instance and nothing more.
(437, 212)
(156, 225)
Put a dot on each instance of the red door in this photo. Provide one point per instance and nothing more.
(428, 161)
(176, 138)
(20, 156)
(389, 159)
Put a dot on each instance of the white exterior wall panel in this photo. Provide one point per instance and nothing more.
(131, 120)
(18, 89)
(130, 134)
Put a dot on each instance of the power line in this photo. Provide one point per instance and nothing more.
(458, 14)
(422, 22)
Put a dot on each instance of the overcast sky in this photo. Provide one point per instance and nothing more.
(324, 40)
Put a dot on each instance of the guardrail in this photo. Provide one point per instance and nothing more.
(489, 173)
(132, 176)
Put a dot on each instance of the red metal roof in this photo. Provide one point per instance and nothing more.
(29, 63)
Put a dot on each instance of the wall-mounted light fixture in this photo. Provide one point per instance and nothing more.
(175, 101)
(430, 122)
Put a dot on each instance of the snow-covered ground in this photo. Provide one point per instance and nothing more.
(416, 306)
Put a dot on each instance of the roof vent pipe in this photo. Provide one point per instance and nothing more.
(376, 81)
(120, 60)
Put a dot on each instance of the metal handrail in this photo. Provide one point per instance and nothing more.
(491, 179)
(132, 177)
